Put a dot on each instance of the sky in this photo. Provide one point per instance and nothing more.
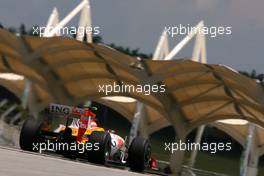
(139, 23)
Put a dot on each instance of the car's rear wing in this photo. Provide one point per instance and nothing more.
(65, 110)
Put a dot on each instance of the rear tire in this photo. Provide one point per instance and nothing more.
(30, 133)
(67, 138)
(103, 141)
(139, 154)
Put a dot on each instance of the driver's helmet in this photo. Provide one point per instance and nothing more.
(87, 109)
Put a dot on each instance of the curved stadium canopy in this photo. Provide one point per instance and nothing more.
(67, 71)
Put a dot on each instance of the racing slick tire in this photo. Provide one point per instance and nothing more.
(30, 134)
(139, 154)
(100, 154)
(67, 138)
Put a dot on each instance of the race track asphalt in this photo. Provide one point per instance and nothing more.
(14, 162)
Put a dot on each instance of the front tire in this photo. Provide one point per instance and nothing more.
(30, 134)
(139, 154)
(101, 154)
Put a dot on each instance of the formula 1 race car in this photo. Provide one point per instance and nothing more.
(97, 145)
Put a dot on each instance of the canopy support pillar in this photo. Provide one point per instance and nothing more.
(85, 21)
(198, 139)
(138, 122)
(177, 158)
(248, 147)
(182, 43)
(252, 166)
(162, 49)
(26, 93)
